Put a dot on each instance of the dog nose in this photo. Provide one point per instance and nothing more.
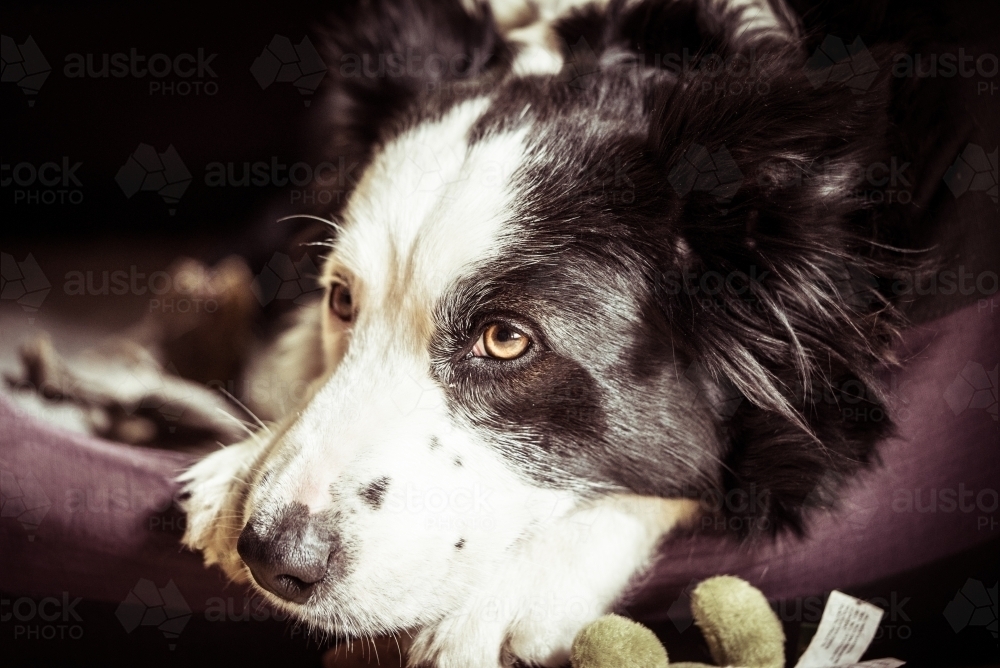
(288, 555)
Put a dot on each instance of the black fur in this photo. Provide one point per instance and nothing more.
(374, 492)
(630, 383)
(380, 54)
(798, 331)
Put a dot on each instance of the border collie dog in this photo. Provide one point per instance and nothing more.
(600, 264)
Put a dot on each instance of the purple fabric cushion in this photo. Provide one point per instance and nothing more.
(90, 517)
(93, 517)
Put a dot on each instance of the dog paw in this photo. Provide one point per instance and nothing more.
(212, 496)
(543, 645)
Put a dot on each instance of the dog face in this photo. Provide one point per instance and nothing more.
(513, 328)
(386, 465)
(483, 381)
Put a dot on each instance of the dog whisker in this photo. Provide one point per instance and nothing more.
(329, 223)
(249, 412)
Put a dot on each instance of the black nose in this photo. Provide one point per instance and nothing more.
(288, 554)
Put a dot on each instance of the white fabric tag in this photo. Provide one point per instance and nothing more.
(846, 628)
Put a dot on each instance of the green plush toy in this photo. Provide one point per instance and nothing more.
(739, 627)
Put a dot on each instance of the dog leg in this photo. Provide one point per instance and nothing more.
(153, 383)
(125, 394)
(562, 580)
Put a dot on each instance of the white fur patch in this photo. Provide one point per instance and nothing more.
(428, 208)
(460, 548)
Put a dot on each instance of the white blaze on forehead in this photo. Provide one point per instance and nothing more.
(429, 208)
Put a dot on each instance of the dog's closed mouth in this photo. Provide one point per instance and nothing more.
(573, 292)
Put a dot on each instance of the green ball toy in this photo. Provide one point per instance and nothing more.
(619, 642)
(738, 624)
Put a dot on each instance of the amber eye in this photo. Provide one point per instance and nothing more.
(501, 342)
(341, 303)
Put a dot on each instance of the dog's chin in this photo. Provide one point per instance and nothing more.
(331, 618)
(336, 613)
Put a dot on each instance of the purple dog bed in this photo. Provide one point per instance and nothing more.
(95, 519)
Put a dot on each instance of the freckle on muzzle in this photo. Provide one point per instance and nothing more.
(289, 553)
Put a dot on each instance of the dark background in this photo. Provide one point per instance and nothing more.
(99, 122)
(232, 120)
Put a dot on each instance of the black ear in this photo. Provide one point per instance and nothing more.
(780, 295)
(383, 54)
(674, 36)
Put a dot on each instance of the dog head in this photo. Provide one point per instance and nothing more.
(547, 289)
